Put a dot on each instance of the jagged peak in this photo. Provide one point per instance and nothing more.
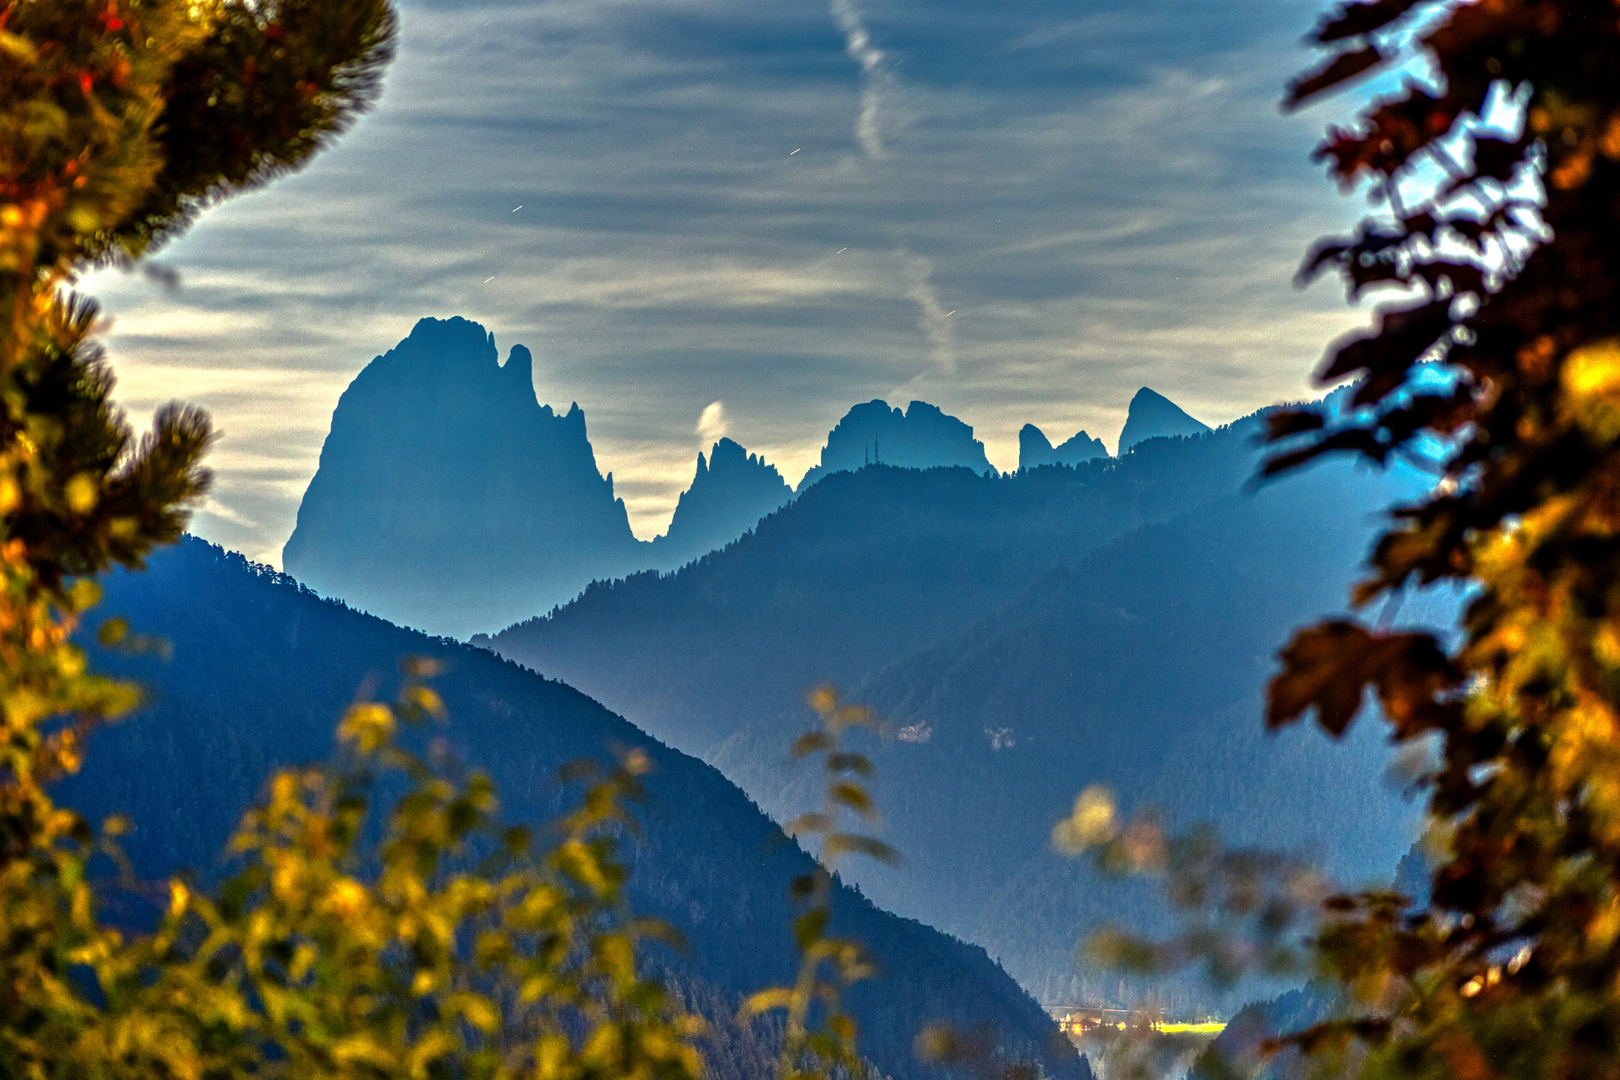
(731, 450)
(731, 490)
(1035, 449)
(1152, 415)
(519, 366)
(1033, 437)
(921, 437)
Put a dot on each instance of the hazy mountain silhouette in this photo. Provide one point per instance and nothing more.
(1035, 450)
(730, 492)
(1154, 416)
(448, 498)
(922, 437)
(857, 572)
(261, 669)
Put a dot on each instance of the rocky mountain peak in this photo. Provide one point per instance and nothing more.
(1035, 449)
(448, 498)
(1153, 416)
(731, 490)
(922, 437)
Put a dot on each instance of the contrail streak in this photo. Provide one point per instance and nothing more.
(917, 271)
(874, 76)
(932, 318)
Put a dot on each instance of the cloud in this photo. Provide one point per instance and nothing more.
(711, 425)
(875, 78)
(932, 318)
(1104, 202)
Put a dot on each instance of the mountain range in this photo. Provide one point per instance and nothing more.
(449, 499)
(259, 669)
(1087, 619)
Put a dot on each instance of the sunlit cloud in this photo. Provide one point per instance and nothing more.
(711, 425)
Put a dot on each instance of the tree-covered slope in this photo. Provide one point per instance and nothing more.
(861, 570)
(261, 669)
(1141, 667)
(1023, 636)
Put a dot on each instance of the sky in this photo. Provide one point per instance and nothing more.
(741, 217)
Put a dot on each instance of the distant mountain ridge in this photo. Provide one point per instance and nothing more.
(1024, 635)
(858, 571)
(449, 499)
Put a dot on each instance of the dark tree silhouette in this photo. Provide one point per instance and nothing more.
(1508, 267)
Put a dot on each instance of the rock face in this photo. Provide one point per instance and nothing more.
(1034, 449)
(1153, 416)
(730, 492)
(449, 499)
(922, 437)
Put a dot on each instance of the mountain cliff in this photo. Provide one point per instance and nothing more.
(1154, 416)
(1035, 449)
(448, 498)
(261, 669)
(922, 437)
(730, 492)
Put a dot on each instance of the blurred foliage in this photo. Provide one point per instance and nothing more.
(819, 1035)
(446, 947)
(1241, 909)
(1499, 174)
(431, 944)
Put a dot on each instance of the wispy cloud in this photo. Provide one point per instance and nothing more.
(875, 77)
(932, 318)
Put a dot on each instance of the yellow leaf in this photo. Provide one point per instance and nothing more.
(368, 726)
(82, 493)
(1594, 369)
(778, 997)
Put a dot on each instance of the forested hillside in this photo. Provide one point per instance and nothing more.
(861, 570)
(1140, 668)
(1023, 637)
(259, 672)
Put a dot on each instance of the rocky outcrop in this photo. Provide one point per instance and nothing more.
(449, 499)
(922, 437)
(1154, 416)
(1035, 449)
(731, 490)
